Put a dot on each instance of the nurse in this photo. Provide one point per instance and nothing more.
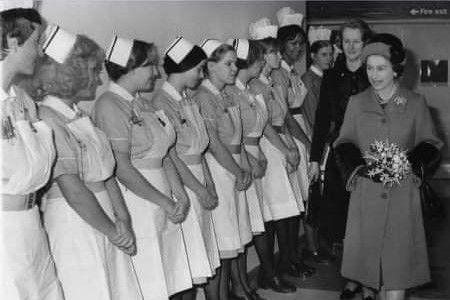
(183, 64)
(292, 39)
(281, 192)
(254, 119)
(140, 137)
(88, 224)
(223, 123)
(27, 156)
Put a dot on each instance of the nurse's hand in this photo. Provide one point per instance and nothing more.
(243, 181)
(258, 171)
(207, 200)
(118, 239)
(293, 157)
(179, 213)
(314, 171)
(126, 230)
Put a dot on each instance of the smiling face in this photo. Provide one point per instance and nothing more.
(294, 48)
(225, 69)
(352, 43)
(148, 73)
(380, 73)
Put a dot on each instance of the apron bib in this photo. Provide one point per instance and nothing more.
(161, 263)
(198, 229)
(255, 192)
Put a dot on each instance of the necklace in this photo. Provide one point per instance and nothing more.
(382, 100)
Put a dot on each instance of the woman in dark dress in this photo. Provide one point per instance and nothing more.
(345, 79)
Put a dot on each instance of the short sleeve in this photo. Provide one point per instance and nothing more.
(66, 158)
(113, 120)
(208, 110)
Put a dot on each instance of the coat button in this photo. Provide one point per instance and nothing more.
(384, 195)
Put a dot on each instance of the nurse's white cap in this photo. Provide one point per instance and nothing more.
(287, 16)
(209, 45)
(58, 43)
(241, 46)
(11, 4)
(179, 49)
(119, 51)
(262, 29)
(318, 34)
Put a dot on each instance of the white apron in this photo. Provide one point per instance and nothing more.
(255, 192)
(282, 194)
(231, 238)
(161, 261)
(88, 264)
(296, 96)
(26, 264)
(198, 229)
(27, 154)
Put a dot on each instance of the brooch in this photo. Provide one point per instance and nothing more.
(399, 100)
(135, 119)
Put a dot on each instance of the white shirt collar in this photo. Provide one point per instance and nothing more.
(316, 70)
(169, 89)
(61, 107)
(240, 85)
(120, 91)
(285, 66)
(207, 84)
(4, 95)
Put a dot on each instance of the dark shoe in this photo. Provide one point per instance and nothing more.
(304, 270)
(369, 297)
(350, 294)
(277, 284)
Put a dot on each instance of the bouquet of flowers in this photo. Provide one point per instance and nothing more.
(387, 163)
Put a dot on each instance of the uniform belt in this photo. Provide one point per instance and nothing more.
(251, 140)
(191, 159)
(279, 129)
(234, 149)
(296, 110)
(17, 202)
(55, 192)
(147, 163)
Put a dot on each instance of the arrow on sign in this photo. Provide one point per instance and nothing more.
(413, 11)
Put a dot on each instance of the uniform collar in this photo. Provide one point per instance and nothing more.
(120, 91)
(316, 70)
(240, 85)
(207, 84)
(4, 95)
(285, 66)
(264, 79)
(61, 107)
(169, 89)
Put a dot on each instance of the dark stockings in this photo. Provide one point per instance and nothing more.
(264, 244)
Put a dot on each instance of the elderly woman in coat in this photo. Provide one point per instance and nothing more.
(385, 242)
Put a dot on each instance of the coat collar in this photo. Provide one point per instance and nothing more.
(286, 66)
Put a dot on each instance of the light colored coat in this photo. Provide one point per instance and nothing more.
(385, 237)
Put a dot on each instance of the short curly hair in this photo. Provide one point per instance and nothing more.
(65, 80)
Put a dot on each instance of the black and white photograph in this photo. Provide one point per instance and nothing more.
(224, 150)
